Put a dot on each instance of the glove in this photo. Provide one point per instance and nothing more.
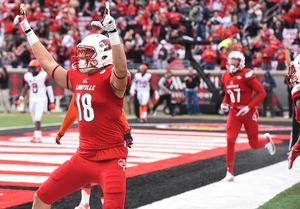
(243, 111)
(225, 107)
(22, 20)
(108, 22)
(20, 100)
(58, 137)
(51, 106)
(128, 138)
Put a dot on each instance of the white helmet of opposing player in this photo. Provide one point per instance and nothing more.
(94, 51)
(234, 59)
(293, 76)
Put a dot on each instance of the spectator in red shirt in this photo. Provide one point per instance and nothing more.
(86, 9)
(274, 42)
(174, 18)
(293, 15)
(71, 17)
(223, 58)
(95, 15)
(131, 9)
(149, 48)
(37, 15)
(16, 7)
(153, 6)
(122, 7)
(8, 28)
(256, 61)
(209, 55)
(280, 57)
(3, 9)
(267, 54)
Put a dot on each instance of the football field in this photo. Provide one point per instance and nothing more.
(174, 163)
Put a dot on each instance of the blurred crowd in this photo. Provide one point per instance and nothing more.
(148, 30)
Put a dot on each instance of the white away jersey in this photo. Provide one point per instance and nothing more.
(142, 82)
(37, 85)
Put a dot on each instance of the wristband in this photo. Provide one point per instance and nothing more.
(32, 38)
(114, 38)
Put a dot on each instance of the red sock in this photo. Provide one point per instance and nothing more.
(230, 168)
(297, 146)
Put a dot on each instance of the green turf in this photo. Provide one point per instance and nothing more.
(288, 199)
(24, 119)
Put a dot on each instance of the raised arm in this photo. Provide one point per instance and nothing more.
(287, 53)
(119, 76)
(42, 55)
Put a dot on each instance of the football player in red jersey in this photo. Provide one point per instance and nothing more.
(99, 85)
(69, 119)
(240, 83)
(293, 78)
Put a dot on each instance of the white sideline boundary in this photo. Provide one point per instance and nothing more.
(248, 191)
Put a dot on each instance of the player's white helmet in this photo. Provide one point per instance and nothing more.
(94, 51)
(234, 58)
(293, 75)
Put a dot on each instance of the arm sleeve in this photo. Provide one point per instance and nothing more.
(124, 120)
(161, 83)
(50, 93)
(197, 80)
(226, 99)
(259, 90)
(70, 117)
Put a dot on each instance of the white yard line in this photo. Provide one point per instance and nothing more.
(248, 191)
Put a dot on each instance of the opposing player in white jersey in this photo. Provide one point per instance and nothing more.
(143, 84)
(39, 83)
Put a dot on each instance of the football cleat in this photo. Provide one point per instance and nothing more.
(229, 177)
(154, 113)
(80, 206)
(143, 120)
(292, 157)
(36, 140)
(270, 145)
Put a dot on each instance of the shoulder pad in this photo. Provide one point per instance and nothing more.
(295, 88)
(249, 74)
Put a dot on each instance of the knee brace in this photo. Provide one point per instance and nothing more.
(110, 204)
(114, 182)
(114, 190)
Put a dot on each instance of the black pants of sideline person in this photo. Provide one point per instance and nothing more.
(136, 106)
(161, 99)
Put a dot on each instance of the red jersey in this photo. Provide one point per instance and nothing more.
(209, 55)
(274, 43)
(280, 57)
(295, 96)
(101, 130)
(266, 56)
(173, 17)
(131, 10)
(223, 59)
(239, 89)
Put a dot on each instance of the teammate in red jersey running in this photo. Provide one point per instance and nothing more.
(240, 83)
(69, 119)
(293, 78)
(98, 77)
(38, 82)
